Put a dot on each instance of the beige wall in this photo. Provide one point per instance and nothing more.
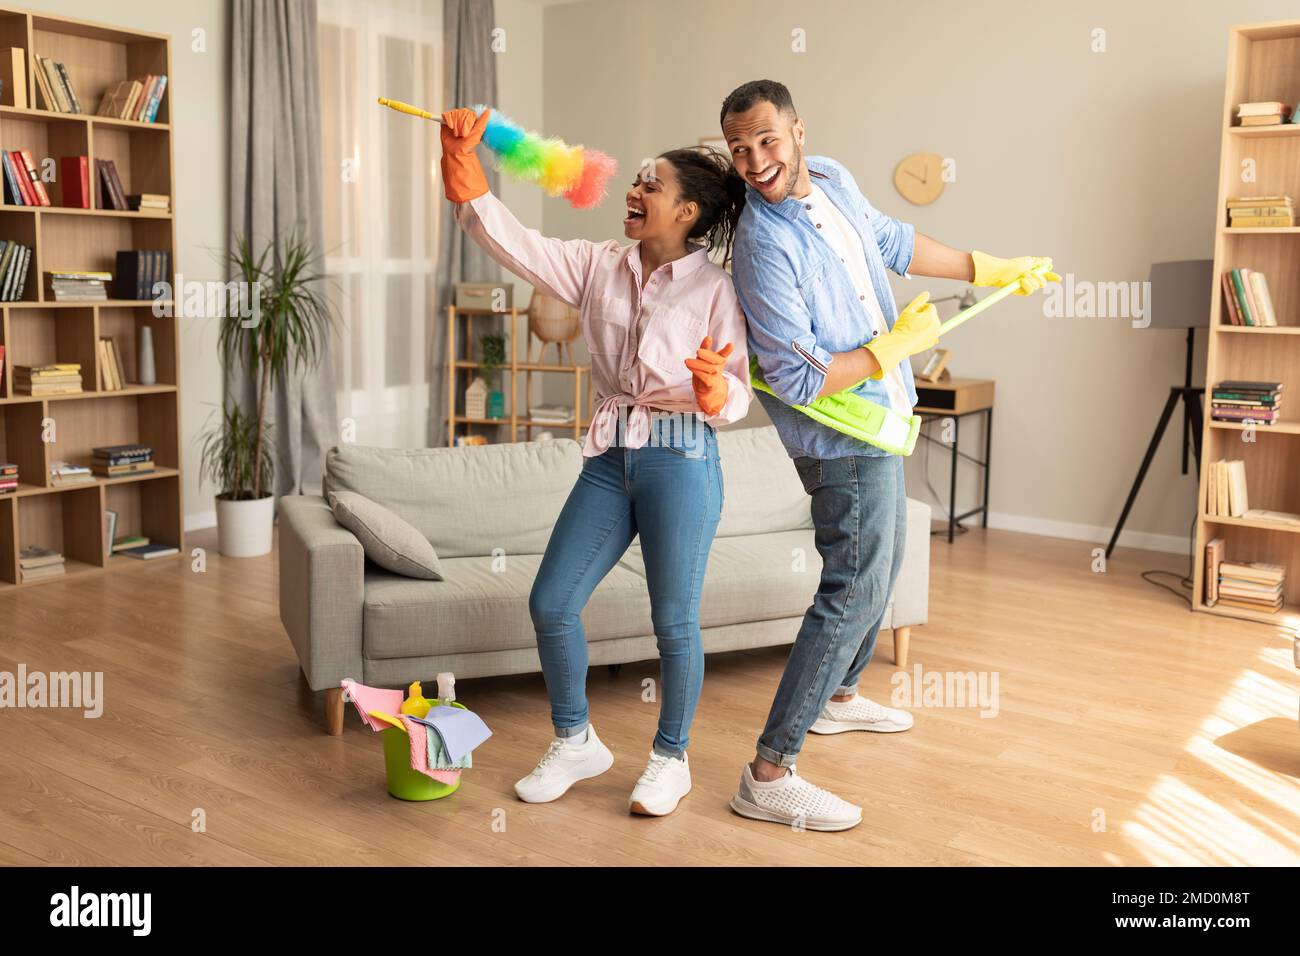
(1105, 161)
(200, 141)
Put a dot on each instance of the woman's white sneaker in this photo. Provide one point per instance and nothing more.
(860, 714)
(665, 781)
(563, 765)
(793, 801)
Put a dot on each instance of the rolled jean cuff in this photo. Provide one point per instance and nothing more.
(771, 756)
(565, 733)
(675, 752)
(845, 691)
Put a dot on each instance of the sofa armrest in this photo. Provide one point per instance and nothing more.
(912, 590)
(322, 590)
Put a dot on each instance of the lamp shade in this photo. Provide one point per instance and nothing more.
(1180, 294)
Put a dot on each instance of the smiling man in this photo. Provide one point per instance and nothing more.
(809, 268)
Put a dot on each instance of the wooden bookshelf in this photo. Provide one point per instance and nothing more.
(461, 340)
(1263, 64)
(35, 431)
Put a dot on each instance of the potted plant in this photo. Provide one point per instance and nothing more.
(292, 319)
(493, 348)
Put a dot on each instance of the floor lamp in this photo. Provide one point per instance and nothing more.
(1179, 298)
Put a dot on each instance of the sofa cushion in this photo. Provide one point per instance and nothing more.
(475, 608)
(386, 539)
(761, 489)
(465, 501)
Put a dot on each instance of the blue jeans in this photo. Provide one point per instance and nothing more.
(670, 492)
(859, 512)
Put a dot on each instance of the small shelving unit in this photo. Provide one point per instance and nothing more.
(461, 367)
(1263, 64)
(36, 431)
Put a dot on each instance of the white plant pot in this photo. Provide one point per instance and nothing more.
(244, 527)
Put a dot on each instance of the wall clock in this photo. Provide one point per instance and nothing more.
(919, 178)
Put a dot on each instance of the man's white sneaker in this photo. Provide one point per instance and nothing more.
(665, 781)
(793, 801)
(860, 714)
(563, 765)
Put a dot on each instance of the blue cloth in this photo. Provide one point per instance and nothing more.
(669, 492)
(793, 287)
(860, 513)
(461, 730)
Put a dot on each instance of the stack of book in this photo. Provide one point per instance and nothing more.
(1238, 401)
(128, 541)
(134, 99)
(58, 378)
(23, 185)
(114, 461)
(64, 473)
(1255, 587)
(1270, 113)
(37, 563)
(149, 202)
(137, 271)
(14, 260)
(111, 375)
(1248, 299)
(74, 285)
(8, 477)
(551, 414)
(56, 86)
(1257, 212)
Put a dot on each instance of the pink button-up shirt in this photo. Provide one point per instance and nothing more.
(639, 339)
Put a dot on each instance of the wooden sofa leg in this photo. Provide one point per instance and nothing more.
(901, 636)
(334, 711)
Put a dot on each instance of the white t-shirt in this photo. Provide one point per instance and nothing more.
(847, 244)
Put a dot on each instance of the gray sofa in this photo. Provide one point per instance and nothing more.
(489, 510)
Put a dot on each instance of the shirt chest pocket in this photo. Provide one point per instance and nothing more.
(671, 336)
(604, 326)
(813, 287)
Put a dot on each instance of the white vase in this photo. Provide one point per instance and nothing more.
(244, 528)
(144, 358)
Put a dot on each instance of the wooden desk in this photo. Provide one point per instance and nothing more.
(955, 399)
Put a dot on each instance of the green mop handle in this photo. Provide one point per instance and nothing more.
(991, 299)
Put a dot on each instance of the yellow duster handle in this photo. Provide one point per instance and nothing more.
(990, 299)
(408, 108)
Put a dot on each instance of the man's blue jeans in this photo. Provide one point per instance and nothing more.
(670, 492)
(859, 511)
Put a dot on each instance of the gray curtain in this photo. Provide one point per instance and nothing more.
(469, 79)
(275, 189)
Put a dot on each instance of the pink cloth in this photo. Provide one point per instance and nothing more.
(373, 698)
(418, 733)
(681, 303)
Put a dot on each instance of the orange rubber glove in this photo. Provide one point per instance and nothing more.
(707, 380)
(462, 174)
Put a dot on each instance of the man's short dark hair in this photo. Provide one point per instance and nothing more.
(750, 94)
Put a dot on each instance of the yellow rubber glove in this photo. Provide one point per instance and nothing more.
(463, 178)
(992, 271)
(916, 330)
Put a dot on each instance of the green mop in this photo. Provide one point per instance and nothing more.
(869, 421)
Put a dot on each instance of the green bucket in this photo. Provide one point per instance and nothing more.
(406, 783)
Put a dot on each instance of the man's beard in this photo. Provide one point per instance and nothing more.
(794, 177)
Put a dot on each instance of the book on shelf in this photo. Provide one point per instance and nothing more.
(36, 563)
(1260, 211)
(135, 99)
(1225, 489)
(23, 183)
(77, 285)
(14, 260)
(1213, 558)
(66, 473)
(147, 552)
(116, 461)
(111, 376)
(129, 541)
(149, 202)
(110, 529)
(137, 272)
(111, 192)
(1248, 299)
(13, 74)
(1264, 113)
(8, 477)
(55, 86)
(62, 378)
(1254, 586)
(1258, 403)
(74, 174)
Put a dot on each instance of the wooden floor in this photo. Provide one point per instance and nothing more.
(1128, 732)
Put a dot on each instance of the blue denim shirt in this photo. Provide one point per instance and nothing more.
(793, 287)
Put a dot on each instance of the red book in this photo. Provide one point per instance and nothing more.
(74, 173)
(34, 177)
(20, 174)
(1230, 306)
(138, 113)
